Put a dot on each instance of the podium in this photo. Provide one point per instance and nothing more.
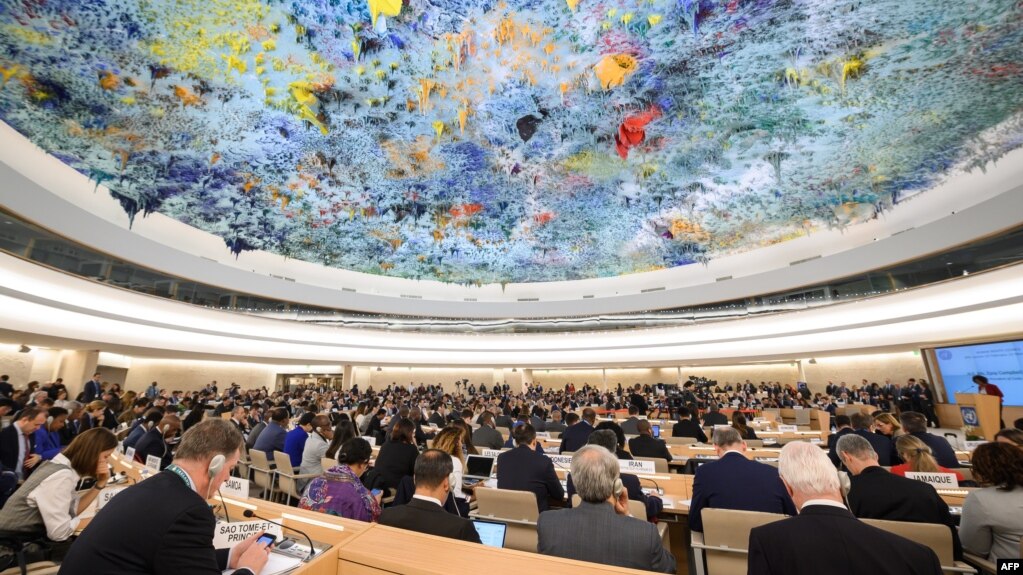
(982, 412)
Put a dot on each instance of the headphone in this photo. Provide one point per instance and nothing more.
(617, 487)
(216, 464)
(49, 421)
(165, 429)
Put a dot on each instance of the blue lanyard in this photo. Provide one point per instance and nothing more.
(181, 474)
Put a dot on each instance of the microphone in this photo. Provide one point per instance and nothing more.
(656, 486)
(312, 550)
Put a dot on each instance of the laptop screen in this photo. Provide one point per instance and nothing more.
(479, 465)
(491, 534)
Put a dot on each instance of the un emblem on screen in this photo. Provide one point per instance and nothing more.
(945, 354)
(1010, 566)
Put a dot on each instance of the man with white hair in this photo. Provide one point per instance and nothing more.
(600, 529)
(825, 537)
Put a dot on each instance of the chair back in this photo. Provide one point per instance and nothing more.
(517, 509)
(262, 476)
(728, 528)
(966, 472)
(555, 434)
(327, 462)
(802, 416)
(754, 443)
(244, 463)
(660, 464)
(935, 536)
(283, 462)
(679, 440)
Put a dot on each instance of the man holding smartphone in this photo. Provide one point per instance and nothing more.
(163, 525)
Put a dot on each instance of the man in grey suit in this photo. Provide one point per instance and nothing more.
(630, 425)
(555, 424)
(487, 435)
(600, 529)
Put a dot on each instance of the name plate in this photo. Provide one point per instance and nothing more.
(129, 453)
(236, 487)
(153, 463)
(228, 535)
(788, 428)
(490, 452)
(947, 480)
(633, 466)
(562, 461)
(372, 440)
(815, 440)
(106, 495)
(971, 445)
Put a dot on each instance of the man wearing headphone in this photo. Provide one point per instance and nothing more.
(164, 524)
(156, 441)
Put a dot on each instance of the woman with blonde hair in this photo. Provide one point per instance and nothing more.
(450, 441)
(887, 425)
(918, 458)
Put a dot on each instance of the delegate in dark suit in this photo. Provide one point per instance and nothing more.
(646, 446)
(883, 446)
(575, 436)
(833, 442)
(878, 494)
(523, 469)
(826, 539)
(640, 402)
(152, 443)
(629, 426)
(594, 532)
(158, 527)
(734, 482)
(396, 460)
(689, 428)
(712, 418)
(940, 448)
(9, 448)
(428, 517)
(487, 436)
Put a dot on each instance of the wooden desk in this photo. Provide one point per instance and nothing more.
(374, 551)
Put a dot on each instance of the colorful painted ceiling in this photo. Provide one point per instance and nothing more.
(481, 141)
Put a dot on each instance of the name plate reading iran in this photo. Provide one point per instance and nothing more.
(236, 487)
(633, 466)
(228, 535)
(562, 461)
(935, 479)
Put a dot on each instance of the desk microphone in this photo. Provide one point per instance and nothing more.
(656, 486)
(312, 550)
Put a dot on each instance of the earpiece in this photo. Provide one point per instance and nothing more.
(165, 429)
(49, 420)
(216, 464)
(618, 487)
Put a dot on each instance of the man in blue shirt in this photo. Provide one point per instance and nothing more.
(48, 435)
(294, 441)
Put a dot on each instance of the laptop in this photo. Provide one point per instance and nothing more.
(478, 467)
(491, 533)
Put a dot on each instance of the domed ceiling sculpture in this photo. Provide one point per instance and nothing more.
(483, 141)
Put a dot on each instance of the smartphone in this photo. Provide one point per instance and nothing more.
(656, 429)
(376, 492)
(268, 539)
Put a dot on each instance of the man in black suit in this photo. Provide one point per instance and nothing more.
(636, 399)
(92, 389)
(735, 482)
(6, 389)
(877, 494)
(862, 425)
(644, 444)
(18, 442)
(438, 416)
(686, 427)
(425, 513)
(574, 437)
(825, 537)
(915, 424)
(523, 469)
(843, 426)
(713, 416)
(163, 525)
(154, 442)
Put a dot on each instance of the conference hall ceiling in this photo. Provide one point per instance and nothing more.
(484, 141)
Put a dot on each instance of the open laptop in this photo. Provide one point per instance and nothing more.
(478, 468)
(491, 534)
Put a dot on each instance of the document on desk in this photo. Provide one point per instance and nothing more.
(277, 565)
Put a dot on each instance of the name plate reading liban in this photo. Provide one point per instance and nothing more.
(947, 480)
(228, 535)
(491, 452)
(563, 461)
(106, 495)
(153, 463)
(633, 466)
(788, 428)
(236, 487)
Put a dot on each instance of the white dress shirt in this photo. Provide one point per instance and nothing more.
(57, 501)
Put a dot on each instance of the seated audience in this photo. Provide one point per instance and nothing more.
(467, 445)
(294, 440)
(877, 494)
(239, 419)
(156, 441)
(556, 424)
(915, 424)
(150, 420)
(575, 436)
(825, 537)
(70, 429)
(917, 457)
(686, 427)
(714, 417)
(645, 445)
(273, 435)
(449, 440)
(739, 424)
(316, 447)
(992, 521)
(843, 426)
(629, 425)
(343, 431)
(397, 457)
(49, 501)
(735, 482)
(607, 439)
(339, 491)
(425, 513)
(487, 435)
(17, 442)
(887, 425)
(600, 529)
(523, 469)
(95, 411)
(48, 435)
(883, 446)
(1010, 436)
(620, 444)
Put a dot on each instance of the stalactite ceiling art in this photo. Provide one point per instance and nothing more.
(496, 141)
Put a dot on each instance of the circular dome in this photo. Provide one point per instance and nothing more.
(520, 141)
